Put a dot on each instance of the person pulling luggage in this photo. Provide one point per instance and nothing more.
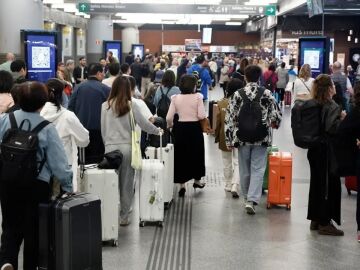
(27, 143)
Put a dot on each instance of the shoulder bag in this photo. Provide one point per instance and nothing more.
(136, 158)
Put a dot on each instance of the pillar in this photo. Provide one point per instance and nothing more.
(17, 15)
(129, 36)
(100, 28)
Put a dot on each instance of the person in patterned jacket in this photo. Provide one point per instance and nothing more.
(252, 154)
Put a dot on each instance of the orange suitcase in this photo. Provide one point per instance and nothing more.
(280, 178)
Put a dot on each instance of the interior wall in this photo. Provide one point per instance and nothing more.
(152, 39)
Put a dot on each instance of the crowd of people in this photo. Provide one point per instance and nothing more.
(93, 107)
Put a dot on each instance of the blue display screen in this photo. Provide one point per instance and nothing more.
(41, 57)
(115, 48)
(313, 53)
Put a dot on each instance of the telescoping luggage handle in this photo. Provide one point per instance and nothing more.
(82, 161)
(161, 147)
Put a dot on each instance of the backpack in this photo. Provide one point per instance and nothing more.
(306, 123)
(197, 75)
(164, 104)
(269, 83)
(18, 153)
(339, 96)
(251, 127)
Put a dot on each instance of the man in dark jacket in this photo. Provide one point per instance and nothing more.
(86, 103)
(130, 59)
(136, 72)
(81, 72)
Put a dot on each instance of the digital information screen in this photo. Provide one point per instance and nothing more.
(313, 52)
(40, 56)
(206, 35)
(138, 50)
(115, 47)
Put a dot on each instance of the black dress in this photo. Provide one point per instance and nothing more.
(189, 151)
(325, 186)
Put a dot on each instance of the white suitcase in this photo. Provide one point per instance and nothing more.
(168, 159)
(151, 188)
(150, 152)
(105, 184)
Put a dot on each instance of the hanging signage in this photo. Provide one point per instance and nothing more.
(193, 45)
(179, 9)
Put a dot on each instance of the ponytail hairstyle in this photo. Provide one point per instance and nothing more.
(120, 96)
(55, 89)
(321, 88)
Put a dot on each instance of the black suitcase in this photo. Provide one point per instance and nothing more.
(70, 233)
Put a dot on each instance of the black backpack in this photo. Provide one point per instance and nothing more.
(306, 123)
(197, 75)
(251, 127)
(18, 153)
(164, 104)
(145, 71)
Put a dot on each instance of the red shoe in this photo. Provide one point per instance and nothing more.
(358, 236)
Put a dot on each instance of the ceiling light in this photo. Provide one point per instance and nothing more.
(356, 40)
(349, 38)
(233, 23)
(350, 32)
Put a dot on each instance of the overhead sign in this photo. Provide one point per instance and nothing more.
(193, 45)
(178, 9)
(84, 7)
(315, 7)
(270, 10)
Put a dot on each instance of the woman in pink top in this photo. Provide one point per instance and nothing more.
(271, 78)
(6, 83)
(189, 155)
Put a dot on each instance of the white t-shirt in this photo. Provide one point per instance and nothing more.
(109, 81)
(144, 110)
(302, 87)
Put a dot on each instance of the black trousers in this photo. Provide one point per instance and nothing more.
(94, 152)
(20, 222)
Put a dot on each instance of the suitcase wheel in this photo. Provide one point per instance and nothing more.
(349, 191)
(115, 243)
(142, 223)
(160, 224)
(288, 207)
(268, 206)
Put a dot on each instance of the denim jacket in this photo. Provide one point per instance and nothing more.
(50, 145)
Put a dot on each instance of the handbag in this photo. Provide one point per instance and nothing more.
(205, 125)
(136, 157)
(112, 160)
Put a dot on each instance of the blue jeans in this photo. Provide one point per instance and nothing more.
(252, 165)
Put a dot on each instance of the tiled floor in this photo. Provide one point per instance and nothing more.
(209, 229)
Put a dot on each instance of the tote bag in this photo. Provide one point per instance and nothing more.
(136, 158)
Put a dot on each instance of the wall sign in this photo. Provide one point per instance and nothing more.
(80, 42)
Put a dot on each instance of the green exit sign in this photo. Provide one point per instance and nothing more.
(270, 10)
(84, 7)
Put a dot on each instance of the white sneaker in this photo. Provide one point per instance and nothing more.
(234, 191)
(125, 222)
(227, 187)
(7, 266)
(250, 208)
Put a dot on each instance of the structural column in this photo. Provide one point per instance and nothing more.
(100, 28)
(129, 36)
(17, 15)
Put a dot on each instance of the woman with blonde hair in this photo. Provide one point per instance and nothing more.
(325, 186)
(303, 84)
(116, 114)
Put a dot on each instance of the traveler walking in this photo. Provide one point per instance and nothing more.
(349, 130)
(201, 68)
(189, 151)
(325, 186)
(303, 84)
(114, 70)
(283, 77)
(251, 114)
(116, 128)
(229, 157)
(71, 131)
(86, 102)
(6, 84)
(344, 83)
(81, 72)
(22, 190)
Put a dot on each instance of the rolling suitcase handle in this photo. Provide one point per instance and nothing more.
(161, 147)
(82, 161)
